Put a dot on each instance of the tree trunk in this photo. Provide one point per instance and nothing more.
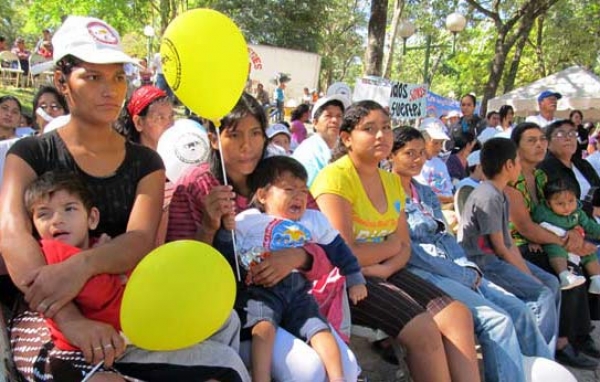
(388, 59)
(376, 37)
(538, 47)
(165, 14)
(509, 79)
(496, 70)
(525, 16)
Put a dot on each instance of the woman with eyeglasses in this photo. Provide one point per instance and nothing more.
(48, 104)
(574, 347)
(147, 115)
(561, 163)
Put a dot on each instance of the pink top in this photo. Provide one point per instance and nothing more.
(298, 132)
(185, 215)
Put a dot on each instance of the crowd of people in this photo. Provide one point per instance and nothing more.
(43, 48)
(492, 243)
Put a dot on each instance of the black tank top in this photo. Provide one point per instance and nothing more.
(114, 195)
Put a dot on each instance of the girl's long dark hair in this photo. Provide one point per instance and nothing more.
(247, 105)
(351, 119)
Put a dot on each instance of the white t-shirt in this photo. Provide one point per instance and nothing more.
(487, 133)
(504, 133)
(256, 229)
(314, 154)
(435, 175)
(541, 121)
(5, 145)
(584, 185)
(157, 64)
(594, 160)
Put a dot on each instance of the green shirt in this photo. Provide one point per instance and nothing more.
(542, 213)
(520, 185)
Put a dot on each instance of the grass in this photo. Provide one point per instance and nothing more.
(24, 95)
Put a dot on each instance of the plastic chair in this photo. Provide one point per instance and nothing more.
(39, 67)
(10, 67)
(460, 198)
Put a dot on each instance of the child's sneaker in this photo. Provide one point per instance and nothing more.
(594, 285)
(569, 280)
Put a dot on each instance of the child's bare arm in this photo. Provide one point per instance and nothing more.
(357, 293)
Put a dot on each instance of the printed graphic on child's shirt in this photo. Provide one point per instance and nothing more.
(281, 234)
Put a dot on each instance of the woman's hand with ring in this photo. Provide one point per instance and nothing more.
(98, 341)
(50, 287)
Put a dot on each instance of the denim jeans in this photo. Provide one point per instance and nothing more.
(498, 332)
(543, 299)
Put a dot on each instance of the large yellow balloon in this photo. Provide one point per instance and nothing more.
(177, 296)
(205, 61)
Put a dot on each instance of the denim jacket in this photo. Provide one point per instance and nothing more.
(434, 249)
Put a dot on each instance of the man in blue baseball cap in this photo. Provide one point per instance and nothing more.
(547, 101)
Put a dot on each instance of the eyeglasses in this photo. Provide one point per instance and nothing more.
(52, 106)
(161, 118)
(566, 134)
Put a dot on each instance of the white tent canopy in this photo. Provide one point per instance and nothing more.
(580, 90)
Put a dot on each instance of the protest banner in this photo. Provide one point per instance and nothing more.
(408, 101)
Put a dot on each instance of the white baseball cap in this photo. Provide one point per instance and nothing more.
(434, 127)
(182, 146)
(323, 101)
(277, 128)
(474, 158)
(454, 113)
(90, 40)
(486, 134)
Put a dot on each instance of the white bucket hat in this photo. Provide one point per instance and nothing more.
(324, 101)
(90, 40)
(434, 128)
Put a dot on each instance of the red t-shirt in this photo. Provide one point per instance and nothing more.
(99, 299)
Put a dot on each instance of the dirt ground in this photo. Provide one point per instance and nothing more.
(377, 370)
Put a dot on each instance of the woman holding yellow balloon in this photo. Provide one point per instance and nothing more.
(201, 201)
(127, 181)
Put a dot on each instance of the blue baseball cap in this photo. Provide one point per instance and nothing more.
(278, 128)
(548, 93)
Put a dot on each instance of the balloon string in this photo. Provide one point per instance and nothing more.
(237, 264)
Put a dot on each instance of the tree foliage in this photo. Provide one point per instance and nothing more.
(341, 44)
(293, 24)
(506, 43)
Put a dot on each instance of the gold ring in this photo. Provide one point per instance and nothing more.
(98, 348)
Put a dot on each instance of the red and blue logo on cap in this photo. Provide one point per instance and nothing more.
(102, 33)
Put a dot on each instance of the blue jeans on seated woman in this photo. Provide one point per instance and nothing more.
(505, 326)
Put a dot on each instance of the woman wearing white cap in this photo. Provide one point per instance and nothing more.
(315, 152)
(127, 181)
